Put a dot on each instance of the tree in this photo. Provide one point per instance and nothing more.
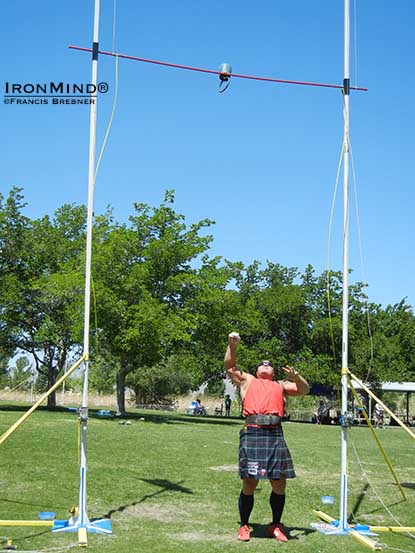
(393, 331)
(171, 377)
(13, 263)
(4, 375)
(163, 305)
(42, 284)
(102, 373)
(144, 276)
(272, 315)
(20, 374)
(324, 300)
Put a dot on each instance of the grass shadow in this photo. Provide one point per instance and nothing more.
(381, 509)
(37, 505)
(409, 485)
(169, 418)
(18, 408)
(164, 485)
(358, 503)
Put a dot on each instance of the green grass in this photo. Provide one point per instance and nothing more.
(170, 484)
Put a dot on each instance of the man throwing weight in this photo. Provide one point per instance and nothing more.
(263, 452)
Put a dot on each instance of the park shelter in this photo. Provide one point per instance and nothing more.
(403, 387)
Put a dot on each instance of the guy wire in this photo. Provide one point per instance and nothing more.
(95, 313)
(114, 21)
(362, 264)
(111, 118)
(355, 40)
(328, 253)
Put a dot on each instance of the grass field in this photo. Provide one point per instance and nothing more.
(170, 484)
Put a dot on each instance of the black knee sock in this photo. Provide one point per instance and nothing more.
(245, 503)
(277, 503)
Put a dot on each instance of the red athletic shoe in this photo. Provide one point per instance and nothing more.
(275, 531)
(244, 533)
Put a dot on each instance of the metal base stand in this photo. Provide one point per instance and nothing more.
(101, 526)
(360, 532)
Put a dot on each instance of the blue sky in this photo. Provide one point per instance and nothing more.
(260, 159)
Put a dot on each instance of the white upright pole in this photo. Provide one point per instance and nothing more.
(345, 320)
(80, 522)
(82, 516)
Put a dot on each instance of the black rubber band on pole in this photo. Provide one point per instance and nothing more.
(95, 51)
(346, 86)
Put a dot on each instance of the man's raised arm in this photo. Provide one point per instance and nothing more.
(230, 359)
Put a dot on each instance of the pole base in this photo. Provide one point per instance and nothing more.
(360, 532)
(102, 526)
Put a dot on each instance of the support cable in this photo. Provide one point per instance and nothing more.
(333, 203)
(114, 22)
(107, 132)
(362, 263)
(355, 39)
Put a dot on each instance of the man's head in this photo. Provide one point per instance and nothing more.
(265, 370)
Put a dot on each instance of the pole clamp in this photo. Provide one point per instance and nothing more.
(346, 420)
(83, 414)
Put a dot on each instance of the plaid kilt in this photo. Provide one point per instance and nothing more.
(263, 453)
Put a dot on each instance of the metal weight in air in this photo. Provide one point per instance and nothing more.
(225, 71)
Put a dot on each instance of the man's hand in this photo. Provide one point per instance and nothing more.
(297, 385)
(291, 374)
(234, 339)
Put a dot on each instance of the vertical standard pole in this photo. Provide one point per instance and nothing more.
(407, 408)
(345, 320)
(83, 416)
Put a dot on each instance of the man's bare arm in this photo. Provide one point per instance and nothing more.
(237, 376)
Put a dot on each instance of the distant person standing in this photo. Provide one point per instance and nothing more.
(379, 414)
(263, 453)
(228, 403)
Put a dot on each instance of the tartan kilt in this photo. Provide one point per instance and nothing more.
(263, 453)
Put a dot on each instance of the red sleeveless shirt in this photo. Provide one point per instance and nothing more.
(263, 397)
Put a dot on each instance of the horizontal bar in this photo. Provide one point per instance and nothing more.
(374, 546)
(323, 516)
(211, 71)
(26, 522)
(392, 528)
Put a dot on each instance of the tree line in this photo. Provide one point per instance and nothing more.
(162, 307)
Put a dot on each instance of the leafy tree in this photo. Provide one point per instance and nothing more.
(42, 285)
(171, 377)
(144, 276)
(13, 263)
(4, 375)
(164, 307)
(393, 331)
(272, 315)
(102, 374)
(20, 374)
(324, 299)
